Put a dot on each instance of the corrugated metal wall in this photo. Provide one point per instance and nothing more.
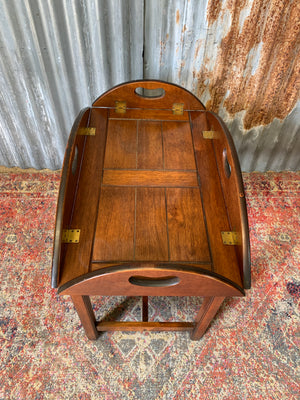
(240, 58)
(57, 56)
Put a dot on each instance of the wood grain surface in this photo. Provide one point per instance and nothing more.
(151, 195)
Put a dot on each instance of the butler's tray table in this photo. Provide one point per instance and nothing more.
(151, 203)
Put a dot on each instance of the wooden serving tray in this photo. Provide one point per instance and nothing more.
(151, 202)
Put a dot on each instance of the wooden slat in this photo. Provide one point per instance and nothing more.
(121, 146)
(149, 154)
(150, 178)
(151, 228)
(224, 257)
(178, 146)
(114, 236)
(187, 234)
(128, 326)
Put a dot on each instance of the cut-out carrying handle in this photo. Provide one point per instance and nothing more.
(154, 282)
(149, 94)
(226, 165)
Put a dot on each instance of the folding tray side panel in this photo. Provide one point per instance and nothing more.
(149, 94)
(68, 183)
(77, 255)
(233, 191)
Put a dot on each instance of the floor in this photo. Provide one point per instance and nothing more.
(251, 350)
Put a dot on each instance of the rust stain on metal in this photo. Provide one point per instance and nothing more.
(163, 44)
(214, 8)
(177, 17)
(257, 69)
(197, 48)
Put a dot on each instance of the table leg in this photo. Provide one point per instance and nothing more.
(86, 314)
(206, 313)
(145, 309)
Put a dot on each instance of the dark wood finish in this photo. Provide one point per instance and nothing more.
(86, 314)
(215, 210)
(145, 309)
(114, 235)
(121, 146)
(231, 186)
(144, 326)
(68, 184)
(151, 242)
(115, 281)
(178, 146)
(149, 115)
(205, 315)
(173, 94)
(84, 202)
(187, 235)
(150, 178)
(77, 186)
(150, 146)
(150, 196)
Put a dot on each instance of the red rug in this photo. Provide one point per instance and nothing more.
(251, 350)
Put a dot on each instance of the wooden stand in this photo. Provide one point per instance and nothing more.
(151, 203)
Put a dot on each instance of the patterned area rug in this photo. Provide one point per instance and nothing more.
(251, 350)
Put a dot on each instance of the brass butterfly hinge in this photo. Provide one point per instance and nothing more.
(177, 108)
(87, 131)
(120, 107)
(210, 134)
(231, 238)
(70, 236)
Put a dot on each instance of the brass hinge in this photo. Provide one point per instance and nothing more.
(70, 236)
(177, 108)
(120, 107)
(210, 134)
(87, 131)
(231, 238)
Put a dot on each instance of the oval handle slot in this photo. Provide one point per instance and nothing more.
(154, 282)
(75, 161)
(226, 165)
(157, 93)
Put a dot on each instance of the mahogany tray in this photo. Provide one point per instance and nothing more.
(151, 203)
